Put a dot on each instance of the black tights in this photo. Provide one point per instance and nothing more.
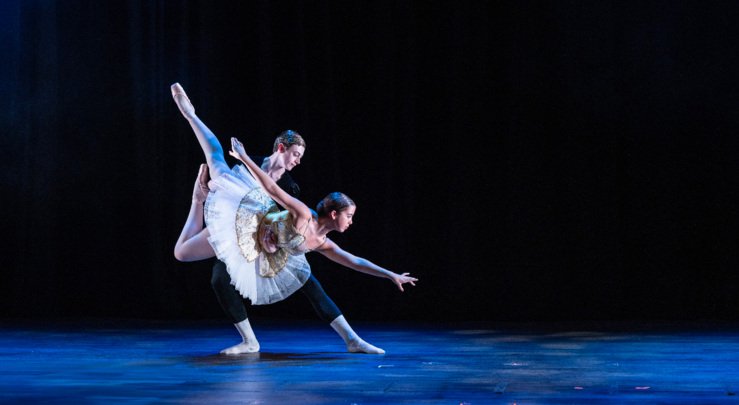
(233, 304)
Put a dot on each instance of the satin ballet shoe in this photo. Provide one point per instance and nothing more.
(182, 101)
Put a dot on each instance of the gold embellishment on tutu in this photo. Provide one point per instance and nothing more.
(250, 223)
(276, 262)
(252, 209)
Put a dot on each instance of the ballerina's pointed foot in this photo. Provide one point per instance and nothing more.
(241, 348)
(182, 101)
(203, 178)
(360, 346)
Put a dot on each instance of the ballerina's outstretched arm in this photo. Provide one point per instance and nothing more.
(193, 243)
(336, 254)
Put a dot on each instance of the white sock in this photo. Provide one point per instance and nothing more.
(249, 342)
(354, 343)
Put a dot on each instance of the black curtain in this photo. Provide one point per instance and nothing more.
(526, 160)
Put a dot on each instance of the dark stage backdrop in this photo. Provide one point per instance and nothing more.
(527, 161)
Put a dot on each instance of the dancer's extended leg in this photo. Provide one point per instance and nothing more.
(327, 310)
(207, 139)
(354, 343)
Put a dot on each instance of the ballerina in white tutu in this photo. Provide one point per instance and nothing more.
(264, 248)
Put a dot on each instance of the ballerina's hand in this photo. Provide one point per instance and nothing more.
(237, 149)
(400, 279)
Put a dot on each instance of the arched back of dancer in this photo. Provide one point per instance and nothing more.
(264, 255)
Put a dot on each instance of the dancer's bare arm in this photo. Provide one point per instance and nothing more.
(299, 211)
(332, 251)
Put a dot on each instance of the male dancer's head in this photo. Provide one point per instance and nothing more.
(288, 149)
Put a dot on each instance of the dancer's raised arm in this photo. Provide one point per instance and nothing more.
(298, 210)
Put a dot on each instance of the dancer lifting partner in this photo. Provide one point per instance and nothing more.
(263, 248)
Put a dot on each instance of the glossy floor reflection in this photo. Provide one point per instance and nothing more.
(305, 363)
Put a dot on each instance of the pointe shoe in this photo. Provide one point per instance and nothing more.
(203, 178)
(201, 190)
(182, 101)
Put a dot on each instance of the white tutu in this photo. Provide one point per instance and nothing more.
(233, 212)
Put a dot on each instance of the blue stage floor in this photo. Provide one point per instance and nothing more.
(111, 362)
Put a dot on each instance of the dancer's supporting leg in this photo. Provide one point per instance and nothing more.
(249, 342)
(233, 305)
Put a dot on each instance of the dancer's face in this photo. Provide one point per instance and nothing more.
(344, 218)
(291, 156)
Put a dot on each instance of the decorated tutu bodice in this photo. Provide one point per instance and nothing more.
(287, 237)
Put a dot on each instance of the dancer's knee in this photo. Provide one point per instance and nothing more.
(182, 254)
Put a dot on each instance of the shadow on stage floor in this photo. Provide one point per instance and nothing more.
(108, 361)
